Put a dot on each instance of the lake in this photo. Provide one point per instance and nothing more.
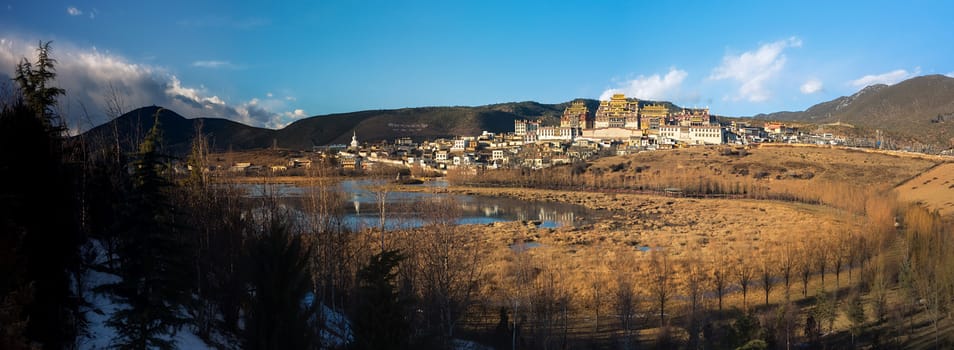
(411, 209)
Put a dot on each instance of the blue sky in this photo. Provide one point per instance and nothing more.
(270, 64)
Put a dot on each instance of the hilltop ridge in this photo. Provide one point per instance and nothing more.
(920, 108)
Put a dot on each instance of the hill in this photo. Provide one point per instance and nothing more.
(920, 108)
(178, 131)
(371, 126)
(417, 123)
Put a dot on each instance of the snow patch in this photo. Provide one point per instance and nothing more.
(337, 330)
(868, 89)
(460, 344)
(100, 306)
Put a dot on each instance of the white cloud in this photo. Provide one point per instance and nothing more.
(90, 76)
(811, 86)
(889, 78)
(754, 69)
(175, 88)
(287, 118)
(653, 87)
(950, 75)
(73, 11)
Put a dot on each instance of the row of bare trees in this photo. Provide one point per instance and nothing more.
(881, 284)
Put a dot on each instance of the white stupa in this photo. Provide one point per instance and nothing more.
(354, 140)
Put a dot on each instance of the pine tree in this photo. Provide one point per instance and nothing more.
(152, 257)
(34, 79)
(855, 311)
(279, 316)
(379, 321)
(38, 253)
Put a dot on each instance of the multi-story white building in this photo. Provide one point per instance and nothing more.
(708, 134)
(440, 156)
(497, 154)
(523, 127)
(460, 145)
(554, 133)
(694, 135)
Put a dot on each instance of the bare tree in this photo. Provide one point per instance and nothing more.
(839, 256)
(115, 107)
(879, 286)
(661, 285)
(382, 189)
(597, 286)
(720, 273)
(821, 255)
(696, 283)
(766, 272)
(930, 264)
(805, 267)
(743, 275)
(450, 267)
(551, 300)
(787, 264)
(626, 299)
(327, 235)
(520, 276)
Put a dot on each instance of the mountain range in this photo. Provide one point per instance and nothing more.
(920, 108)
(370, 126)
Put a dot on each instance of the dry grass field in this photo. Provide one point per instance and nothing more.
(632, 221)
(933, 188)
(855, 188)
(264, 157)
(780, 164)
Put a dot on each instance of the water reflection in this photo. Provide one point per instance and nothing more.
(362, 200)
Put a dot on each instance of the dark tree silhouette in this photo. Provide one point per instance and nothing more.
(379, 317)
(280, 313)
(39, 230)
(152, 256)
(35, 82)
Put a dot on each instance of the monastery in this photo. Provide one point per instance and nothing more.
(621, 118)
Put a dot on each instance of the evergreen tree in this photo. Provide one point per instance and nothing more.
(825, 311)
(279, 314)
(812, 331)
(855, 311)
(34, 80)
(152, 257)
(39, 232)
(379, 321)
(745, 329)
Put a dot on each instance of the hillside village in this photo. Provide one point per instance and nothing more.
(619, 126)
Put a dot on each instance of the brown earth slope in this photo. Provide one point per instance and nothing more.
(933, 188)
